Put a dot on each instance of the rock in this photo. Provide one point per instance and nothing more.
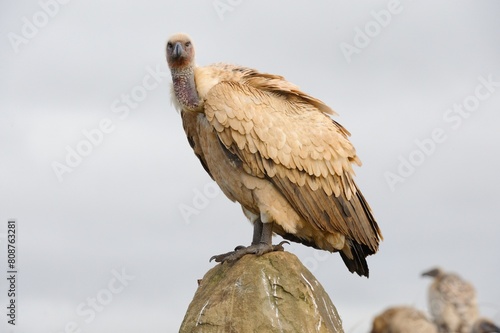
(270, 293)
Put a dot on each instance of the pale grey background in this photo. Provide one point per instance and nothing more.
(119, 208)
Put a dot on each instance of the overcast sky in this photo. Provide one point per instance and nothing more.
(95, 166)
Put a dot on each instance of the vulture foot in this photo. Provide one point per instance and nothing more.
(257, 249)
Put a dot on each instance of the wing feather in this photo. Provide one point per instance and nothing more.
(190, 124)
(300, 149)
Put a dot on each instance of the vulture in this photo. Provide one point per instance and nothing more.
(483, 325)
(273, 149)
(402, 319)
(452, 302)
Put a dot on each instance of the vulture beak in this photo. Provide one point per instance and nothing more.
(178, 51)
(432, 273)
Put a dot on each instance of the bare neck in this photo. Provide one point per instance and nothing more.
(185, 87)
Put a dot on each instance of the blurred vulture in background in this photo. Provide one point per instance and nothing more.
(484, 325)
(402, 319)
(275, 150)
(406, 319)
(452, 302)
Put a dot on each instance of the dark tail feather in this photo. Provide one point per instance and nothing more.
(359, 252)
(358, 263)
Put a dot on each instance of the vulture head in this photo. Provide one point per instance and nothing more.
(180, 58)
(435, 272)
(180, 51)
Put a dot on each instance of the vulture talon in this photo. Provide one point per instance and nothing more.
(280, 247)
(240, 251)
(220, 257)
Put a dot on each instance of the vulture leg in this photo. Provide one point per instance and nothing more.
(257, 231)
(261, 244)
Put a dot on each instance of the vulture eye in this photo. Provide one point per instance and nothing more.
(187, 44)
(169, 45)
